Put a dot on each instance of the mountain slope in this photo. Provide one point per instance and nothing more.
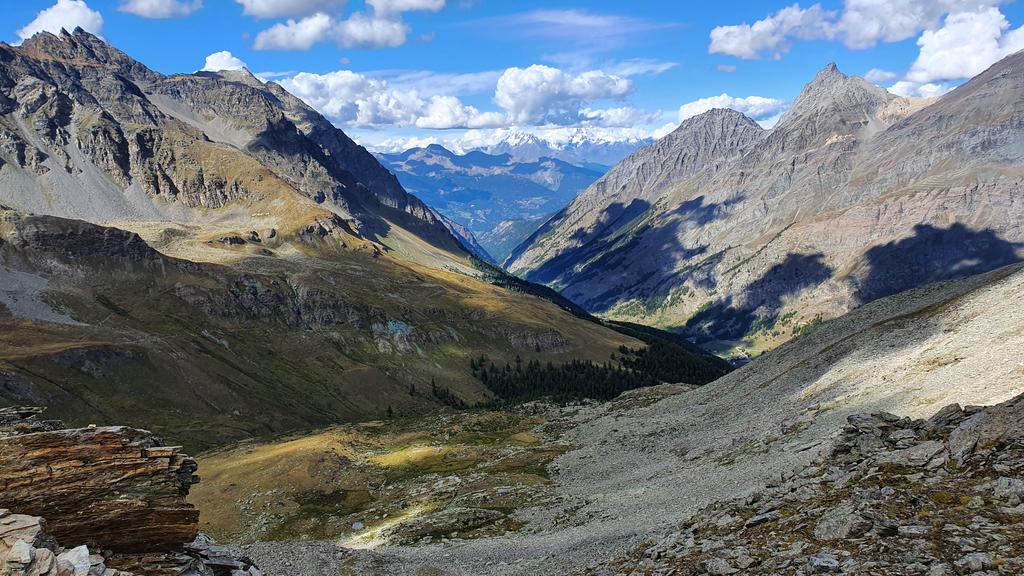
(853, 195)
(638, 467)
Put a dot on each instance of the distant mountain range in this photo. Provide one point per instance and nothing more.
(742, 236)
(583, 148)
(495, 197)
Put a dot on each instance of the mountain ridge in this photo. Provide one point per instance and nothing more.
(801, 222)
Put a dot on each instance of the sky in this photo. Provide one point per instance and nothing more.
(398, 73)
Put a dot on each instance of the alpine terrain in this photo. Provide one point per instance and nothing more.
(653, 310)
(734, 233)
(208, 257)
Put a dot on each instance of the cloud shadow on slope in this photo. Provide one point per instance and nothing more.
(641, 257)
(931, 254)
(759, 304)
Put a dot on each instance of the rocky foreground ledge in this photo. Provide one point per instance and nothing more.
(116, 493)
(936, 497)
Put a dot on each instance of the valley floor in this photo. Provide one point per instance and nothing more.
(638, 467)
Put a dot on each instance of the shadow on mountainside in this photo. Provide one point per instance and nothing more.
(932, 254)
(759, 304)
(639, 261)
(591, 243)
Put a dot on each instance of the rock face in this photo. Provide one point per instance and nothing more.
(731, 231)
(928, 514)
(117, 490)
(115, 487)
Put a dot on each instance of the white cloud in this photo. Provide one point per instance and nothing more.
(445, 112)
(756, 107)
(727, 68)
(363, 31)
(295, 34)
(864, 23)
(223, 60)
(919, 90)
(859, 24)
(67, 14)
(286, 8)
(160, 8)
(773, 34)
(357, 31)
(877, 75)
(356, 100)
(964, 46)
(542, 94)
(388, 7)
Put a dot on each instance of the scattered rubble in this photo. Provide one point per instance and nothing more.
(935, 497)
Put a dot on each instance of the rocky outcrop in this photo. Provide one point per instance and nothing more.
(118, 493)
(114, 487)
(940, 496)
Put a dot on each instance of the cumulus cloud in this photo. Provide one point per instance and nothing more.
(756, 107)
(964, 46)
(859, 24)
(379, 27)
(444, 112)
(920, 90)
(295, 34)
(286, 8)
(541, 94)
(364, 31)
(388, 7)
(864, 23)
(774, 33)
(160, 8)
(222, 60)
(67, 14)
(877, 75)
(357, 31)
(358, 100)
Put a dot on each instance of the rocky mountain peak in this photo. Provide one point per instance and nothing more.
(83, 49)
(835, 93)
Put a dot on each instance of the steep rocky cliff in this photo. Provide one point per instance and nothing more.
(853, 195)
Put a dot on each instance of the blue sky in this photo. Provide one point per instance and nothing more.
(397, 71)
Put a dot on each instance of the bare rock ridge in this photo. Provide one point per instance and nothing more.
(116, 493)
(78, 113)
(853, 195)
